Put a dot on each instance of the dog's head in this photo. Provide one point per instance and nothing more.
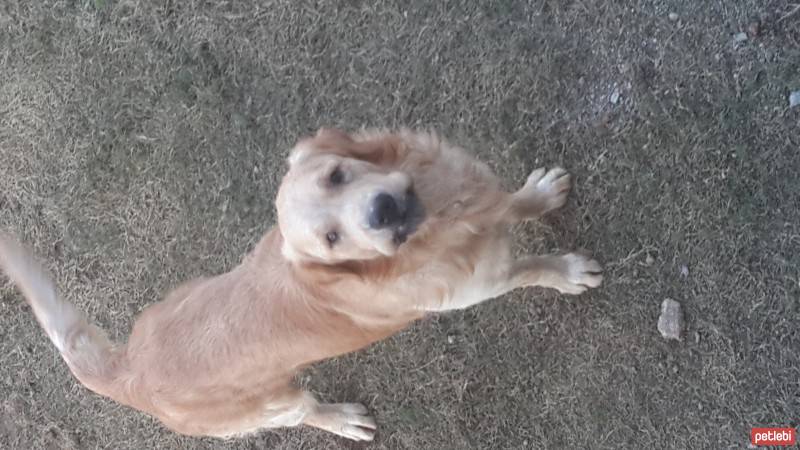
(344, 200)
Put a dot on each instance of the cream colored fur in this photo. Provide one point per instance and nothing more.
(218, 355)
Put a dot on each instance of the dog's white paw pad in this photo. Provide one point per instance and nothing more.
(348, 420)
(547, 189)
(582, 273)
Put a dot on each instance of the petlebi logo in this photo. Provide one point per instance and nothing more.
(773, 436)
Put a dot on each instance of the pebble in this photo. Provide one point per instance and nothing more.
(670, 322)
(684, 270)
(614, 97)
(649, 260)
(794, 99)
(239, 120)
(673, 16)
(740, 37)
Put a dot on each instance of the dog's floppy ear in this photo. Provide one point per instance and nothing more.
(384, 149)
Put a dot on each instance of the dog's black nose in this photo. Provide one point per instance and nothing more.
(384, 212)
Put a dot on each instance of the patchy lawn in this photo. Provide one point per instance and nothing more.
(141, 143)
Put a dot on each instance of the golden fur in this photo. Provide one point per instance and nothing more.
(218, 355)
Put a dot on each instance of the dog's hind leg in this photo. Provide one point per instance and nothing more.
(348, 420)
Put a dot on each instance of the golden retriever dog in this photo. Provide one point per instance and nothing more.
(375, 230)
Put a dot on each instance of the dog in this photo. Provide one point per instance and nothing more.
(375, 230)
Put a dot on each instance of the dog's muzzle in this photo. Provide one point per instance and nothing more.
(401, 215)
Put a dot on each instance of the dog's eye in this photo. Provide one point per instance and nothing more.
(332, 237)
(336, 177)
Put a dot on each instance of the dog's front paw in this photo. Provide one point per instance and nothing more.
(580, 274)
(549, 187)
(544, 191)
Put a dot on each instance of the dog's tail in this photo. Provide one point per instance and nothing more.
(93, 359)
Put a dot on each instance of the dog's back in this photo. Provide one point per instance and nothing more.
(207, 358)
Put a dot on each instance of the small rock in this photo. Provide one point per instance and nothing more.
(450, 339)
(684, 270)
(614, 97)
(794, 99)
(673, 16)
(740, 37)
(696, 337)
(239, 120)
(670, 322)
(649, 260)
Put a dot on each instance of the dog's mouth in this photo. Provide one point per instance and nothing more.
(413, 215)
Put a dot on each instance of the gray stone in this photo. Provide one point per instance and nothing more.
(649, 260)
(794, 99)
(670, 322)
(614, 99)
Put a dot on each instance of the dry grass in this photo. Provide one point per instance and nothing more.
(141, 143)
